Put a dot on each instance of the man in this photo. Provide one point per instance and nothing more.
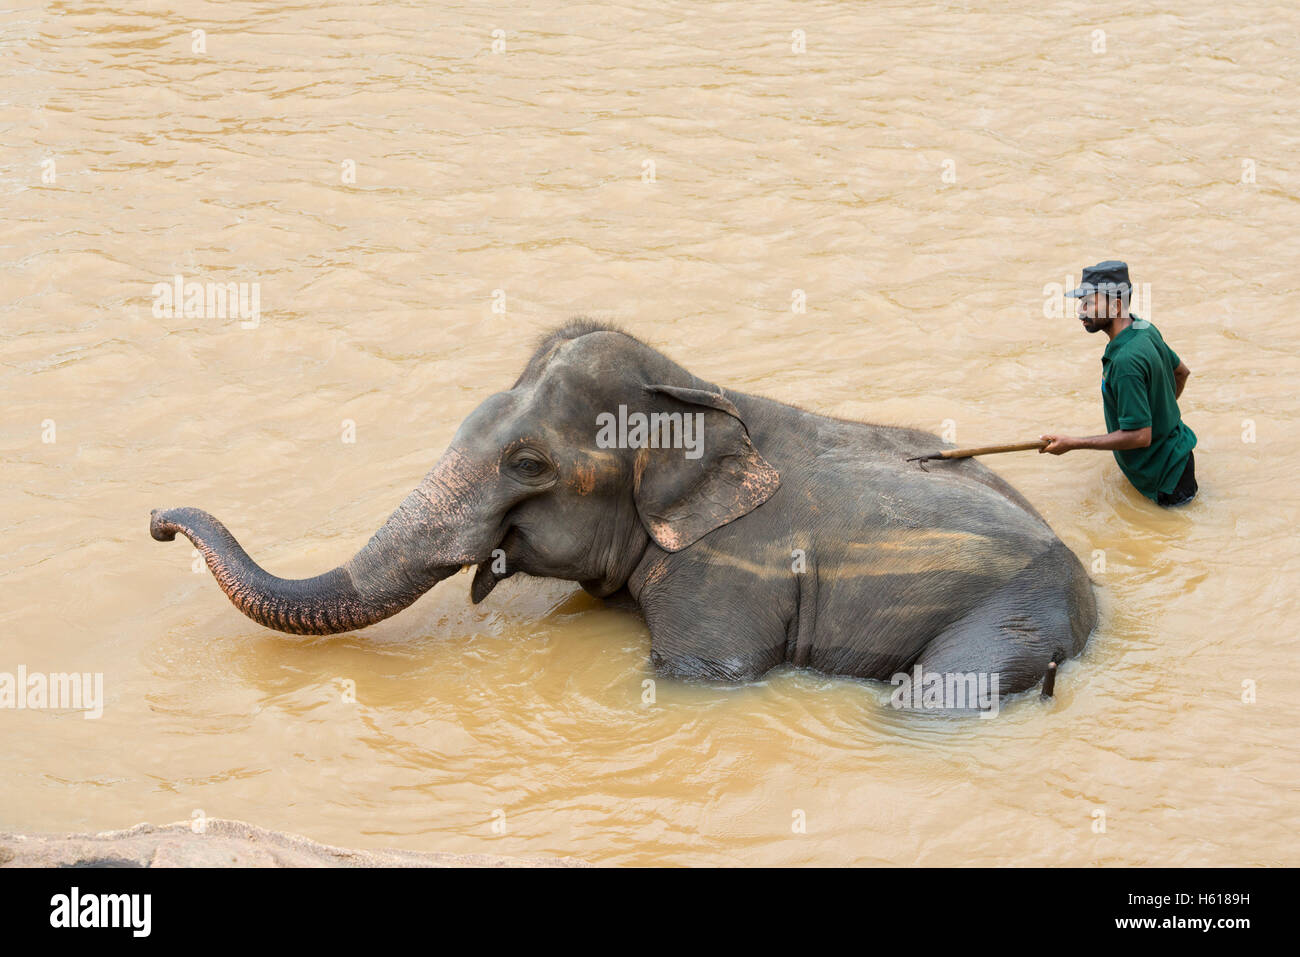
(1141, 380)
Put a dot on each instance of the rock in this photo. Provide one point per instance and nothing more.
(226, 844)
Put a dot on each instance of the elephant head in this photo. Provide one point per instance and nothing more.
(531, 483)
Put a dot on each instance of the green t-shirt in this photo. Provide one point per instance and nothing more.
(1137, 390)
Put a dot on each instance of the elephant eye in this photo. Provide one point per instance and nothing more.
(529, 466)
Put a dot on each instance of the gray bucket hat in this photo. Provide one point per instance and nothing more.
(1110, 277)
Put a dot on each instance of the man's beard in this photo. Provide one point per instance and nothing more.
(1096, 323)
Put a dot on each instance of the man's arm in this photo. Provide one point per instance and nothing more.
(1131, 405)
(1180, 378)
(1119, 439)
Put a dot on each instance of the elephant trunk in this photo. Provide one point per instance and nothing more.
(410, 554)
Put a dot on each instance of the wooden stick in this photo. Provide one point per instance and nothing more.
(982, 450)
(992, 449)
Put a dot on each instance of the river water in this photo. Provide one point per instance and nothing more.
(416, 209)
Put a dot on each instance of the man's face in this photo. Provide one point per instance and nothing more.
(1096, 312)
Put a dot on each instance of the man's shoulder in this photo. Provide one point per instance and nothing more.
(1145, 331)
(1143, 347)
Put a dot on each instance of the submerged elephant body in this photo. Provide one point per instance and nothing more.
(775, 537)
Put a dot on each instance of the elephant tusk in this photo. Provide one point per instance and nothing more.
(1049, 681)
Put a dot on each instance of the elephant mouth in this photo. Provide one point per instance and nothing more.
(495, 568)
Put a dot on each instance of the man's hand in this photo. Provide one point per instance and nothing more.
(1119, 439)
(1058, 444)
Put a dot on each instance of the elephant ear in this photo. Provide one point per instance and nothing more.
(680, 499)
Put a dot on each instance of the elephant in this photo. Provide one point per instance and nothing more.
(772, 536)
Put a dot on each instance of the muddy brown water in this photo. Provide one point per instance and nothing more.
(518, 726)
